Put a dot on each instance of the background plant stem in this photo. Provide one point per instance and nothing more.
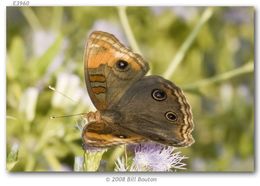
(247, 68)
(127, 29)
(31, 18)
(188, 42)
(129, 33)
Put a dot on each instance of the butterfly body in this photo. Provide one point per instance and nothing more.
(131, 107)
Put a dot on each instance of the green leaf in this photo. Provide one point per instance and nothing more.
(12, 157)
(16, 58)
(42, 63)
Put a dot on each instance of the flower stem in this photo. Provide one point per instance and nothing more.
(247, 68)
(188, 42)
(92, 160)
(125, 152)
(57, 18)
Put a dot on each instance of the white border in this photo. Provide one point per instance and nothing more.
(137, 3)
(89, 179)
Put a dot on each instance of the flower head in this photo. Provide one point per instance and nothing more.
(152, 157)
(121, 166)
(156, 157)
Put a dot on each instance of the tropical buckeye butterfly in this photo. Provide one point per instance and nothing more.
(131, 107)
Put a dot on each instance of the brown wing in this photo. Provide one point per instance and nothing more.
(102, 135)
(157, 109)
(110, 69)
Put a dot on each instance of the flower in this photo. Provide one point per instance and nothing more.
(121, 166)
(153, 157)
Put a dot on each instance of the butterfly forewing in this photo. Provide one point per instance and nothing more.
(106, 82)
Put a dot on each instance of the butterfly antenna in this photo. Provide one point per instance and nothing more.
(53, 89)
(64, 116)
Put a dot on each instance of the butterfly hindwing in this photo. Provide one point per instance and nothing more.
(102, 134)
(158, 110)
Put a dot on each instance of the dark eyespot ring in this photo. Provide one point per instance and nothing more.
(171, 116)
(121, 65)
(159, 95)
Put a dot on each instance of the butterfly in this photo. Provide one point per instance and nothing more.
(131, 107)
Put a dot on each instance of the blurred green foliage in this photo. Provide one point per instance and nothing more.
(45, 47)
